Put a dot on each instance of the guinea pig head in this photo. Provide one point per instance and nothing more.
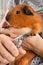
(22, 16)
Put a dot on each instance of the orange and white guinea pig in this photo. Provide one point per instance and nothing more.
(22, 16)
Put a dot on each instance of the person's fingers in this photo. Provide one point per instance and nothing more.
(25, 30)
(2, 60)
(22, 31)
(2, 64)
(4, 31)
(9, 45)
(13, 35)
(8, 32)
(22, 51)
(6, 54)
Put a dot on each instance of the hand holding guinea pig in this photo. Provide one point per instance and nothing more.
(32, 24)
(8, 50)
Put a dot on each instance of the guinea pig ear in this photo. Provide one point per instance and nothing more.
(8, 16)
(27, 11)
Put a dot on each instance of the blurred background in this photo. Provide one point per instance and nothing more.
(3, 6)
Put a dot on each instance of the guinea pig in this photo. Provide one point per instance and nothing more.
(24, 15)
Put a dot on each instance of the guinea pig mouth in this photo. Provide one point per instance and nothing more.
(27, 11)
(5, 25)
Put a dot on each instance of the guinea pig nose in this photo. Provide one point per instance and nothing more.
(27, 11)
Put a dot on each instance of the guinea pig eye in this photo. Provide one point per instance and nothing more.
(17, 12)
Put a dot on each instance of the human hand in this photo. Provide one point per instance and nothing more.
(8, 51)
(14, 32)
(35, 43)
(35, 39)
